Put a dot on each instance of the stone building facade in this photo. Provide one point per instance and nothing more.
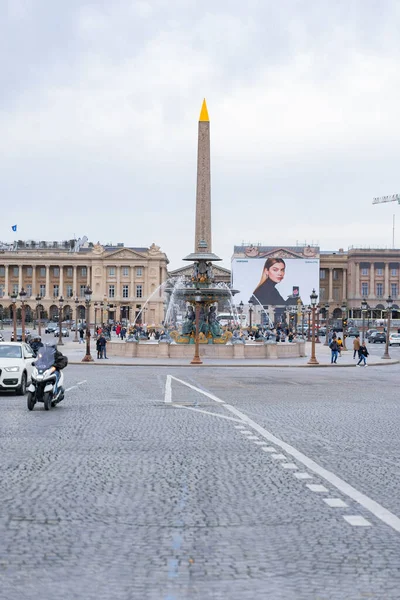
(124, 280)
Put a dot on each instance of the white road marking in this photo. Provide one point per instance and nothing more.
(290, 466)
(168, 390)
(268, 449)
(206, 412)
(196, 389)
(303, 475)
(357, 520)
(316, 487)
(71, 388)
(239, 427)
(245, 432)
(80, 382)
(260, 443)
(335, 503)
(379, 511)
(252, 437)
(278, 456)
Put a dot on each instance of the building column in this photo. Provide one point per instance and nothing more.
(344, 283)
(105, 290)
(88, 277)
(372, 280)
(20, 267)
(330, 286)
(61, 285)
(34, 292)
(357, 282)
(118, 290)
(74, 282)
(47, 296)
(386, 291)
(132, 284)
(6, 290)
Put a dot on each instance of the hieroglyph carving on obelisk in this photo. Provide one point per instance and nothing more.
(203, 192)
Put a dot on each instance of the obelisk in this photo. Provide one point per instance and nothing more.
(202, 236)
(203, 241)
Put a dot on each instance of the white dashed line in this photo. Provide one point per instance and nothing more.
(316, 487)
(71, 388)
(259, 443)
(239, 427)
(290, 466)
(80, 382)
(252, 437)
(268, 449)
(335, 503)
(357, 520)
(302, 476)
(278, 456)
(246, 432)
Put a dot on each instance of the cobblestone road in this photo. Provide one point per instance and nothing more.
(144, 485)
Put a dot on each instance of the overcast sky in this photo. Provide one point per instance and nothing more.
(99, 109)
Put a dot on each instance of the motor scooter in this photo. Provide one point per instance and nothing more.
(44, 386)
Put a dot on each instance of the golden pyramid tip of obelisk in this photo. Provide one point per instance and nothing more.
(204, 112)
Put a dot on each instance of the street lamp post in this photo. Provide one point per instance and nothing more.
(22, 295)
(76, 319)
(326, 343)
(38, 300)
(250, 313)
(309, 323)
(60, 319)
(240, 311)
(196, 358)
(102, 314)
(364, 308)
(303, 312)
(95, 316)
(344, 315)
(317, 312)
(389, 302)
(88, 295)
(313, 298)
(13, 297)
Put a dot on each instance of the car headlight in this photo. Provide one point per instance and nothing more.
(11, 369)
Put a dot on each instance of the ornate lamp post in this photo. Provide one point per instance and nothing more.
(240, 311)
(76, 319)
(196, 358)
(389, 302)
(95, 315)
(250, 313)
(309, 323)
(102, 314)
(326, 343)
(317, 312)
(313, 298)
(344, 323)
(60, 320)
(364, 308)
(38, 301)
(303, 312)
(22, 296)
(13, 297)
(88, 295)
(1, 319)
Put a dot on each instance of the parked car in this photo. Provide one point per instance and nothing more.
(19, 335)
(369, 331)
(377, 336)
(352, 331)
(50, 328)
(15, 366)
(322, 330)
(64, 332)
(394, 339)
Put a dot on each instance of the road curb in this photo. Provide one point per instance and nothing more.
(218, 366)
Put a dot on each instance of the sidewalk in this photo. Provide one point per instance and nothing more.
(76, 352)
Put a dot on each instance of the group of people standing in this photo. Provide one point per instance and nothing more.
(359, 349)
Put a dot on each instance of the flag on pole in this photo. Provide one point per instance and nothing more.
(14, 228)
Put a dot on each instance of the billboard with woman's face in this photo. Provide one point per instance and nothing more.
(275, 276)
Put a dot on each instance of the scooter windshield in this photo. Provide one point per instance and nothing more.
(45, 358)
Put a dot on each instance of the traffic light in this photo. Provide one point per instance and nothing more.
(344, 322)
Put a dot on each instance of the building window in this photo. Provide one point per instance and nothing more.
(42, 271)
(125, 291)
(56, 291)
(2, 271)
(379, 290)
(139, 271)
(69, 271)
(378, 271)
(336, 295)
(111, 271)
(15, 271)
(82, 289)
(111, 291)
(364, 289)
(29, 290)
(83, 271)
(15, 288)
(322, 293)
(393, 288)
(394, 272)
(29, 271)
(42, 290)
(56, 271)
(139, 291)
(364, 271)
(125, 271)
(1, 291)
(335, 274)
(70, 291)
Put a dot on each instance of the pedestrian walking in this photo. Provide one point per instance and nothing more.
(102, 345)
(363, 353)
(340, 345)
(334, 346)
(356, 345)
(81, 332)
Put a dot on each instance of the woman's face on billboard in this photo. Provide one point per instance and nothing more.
(276, 272)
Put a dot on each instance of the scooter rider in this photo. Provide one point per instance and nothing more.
(60, 362)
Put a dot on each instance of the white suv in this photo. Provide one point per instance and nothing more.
(16, 360)
(394, 338)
